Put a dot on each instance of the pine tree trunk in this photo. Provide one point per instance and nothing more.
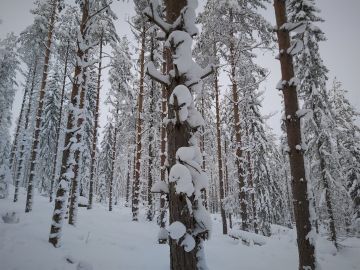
(299, 183)
(18, 126)
(251, 186)
(163, 155)
(178, 135)
(113, 157)
(30, 188)
(127, 195)
(77, 101)
(96, 120)
(239, 152)
(21, 161)
(59, 123)
(220, 161)
(139, 123)
(329, 207)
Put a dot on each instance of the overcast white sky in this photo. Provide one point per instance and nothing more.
(340, 52)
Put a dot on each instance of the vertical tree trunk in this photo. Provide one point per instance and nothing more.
(251, 184)
(127, 195)
(21, 161)
(299, 183)
(67, 167)
(113, 157)
(163, 155)
(329, 207)
(139, 123)
(220, 161)
(30, 188)
(59, 123)
(239, 154)
(96, 120)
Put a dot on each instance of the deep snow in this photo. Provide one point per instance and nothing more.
(106, 240)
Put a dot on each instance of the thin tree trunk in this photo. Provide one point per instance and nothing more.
(139, 123)
(329, 207)
(251, 186)
(239, 154)
(113, 157)
(59, 123)
(163, 155)
(96, 120)
(127, 195)
(299, 183)
(18, 126)
(220, 161)
(77, 100)
(30, 188)
(21, 161)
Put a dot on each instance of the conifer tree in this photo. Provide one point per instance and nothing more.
(305, 238)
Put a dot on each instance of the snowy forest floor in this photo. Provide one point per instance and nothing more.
(104, 240)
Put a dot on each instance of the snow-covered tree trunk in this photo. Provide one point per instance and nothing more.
(219, 153)
(62, 97)
(36, 135)
(189, 221)
(139, 126)
(236, 113)
(19, 168)
(70, 158)
(95, 131)
(305, 237)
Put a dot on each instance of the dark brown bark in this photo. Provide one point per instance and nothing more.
(239, 152)
(96, 120)
(59, 123)
(26, 125)
(139, 123)
(299, 183)
(76, 101)
(36, 136)
(178, 136)
(219, 154)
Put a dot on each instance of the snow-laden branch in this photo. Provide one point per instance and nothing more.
(156, 75)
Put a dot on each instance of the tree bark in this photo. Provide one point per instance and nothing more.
(299, 183)
(139, 123)
(96, 120)
(77, 100)
(239, 152)
(21, 161)
(220, 161)
(59, 123)
(113, 157)
(30, 188)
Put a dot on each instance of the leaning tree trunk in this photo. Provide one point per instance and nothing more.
(36, 136)
(299, 183)
(59, 123)
(26, 124)
(68, 169)
(96, 120)
(239, 152)
(220, 161)
(139, 123)
(18, 126)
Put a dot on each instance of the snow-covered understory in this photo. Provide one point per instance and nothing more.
(104, 240)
